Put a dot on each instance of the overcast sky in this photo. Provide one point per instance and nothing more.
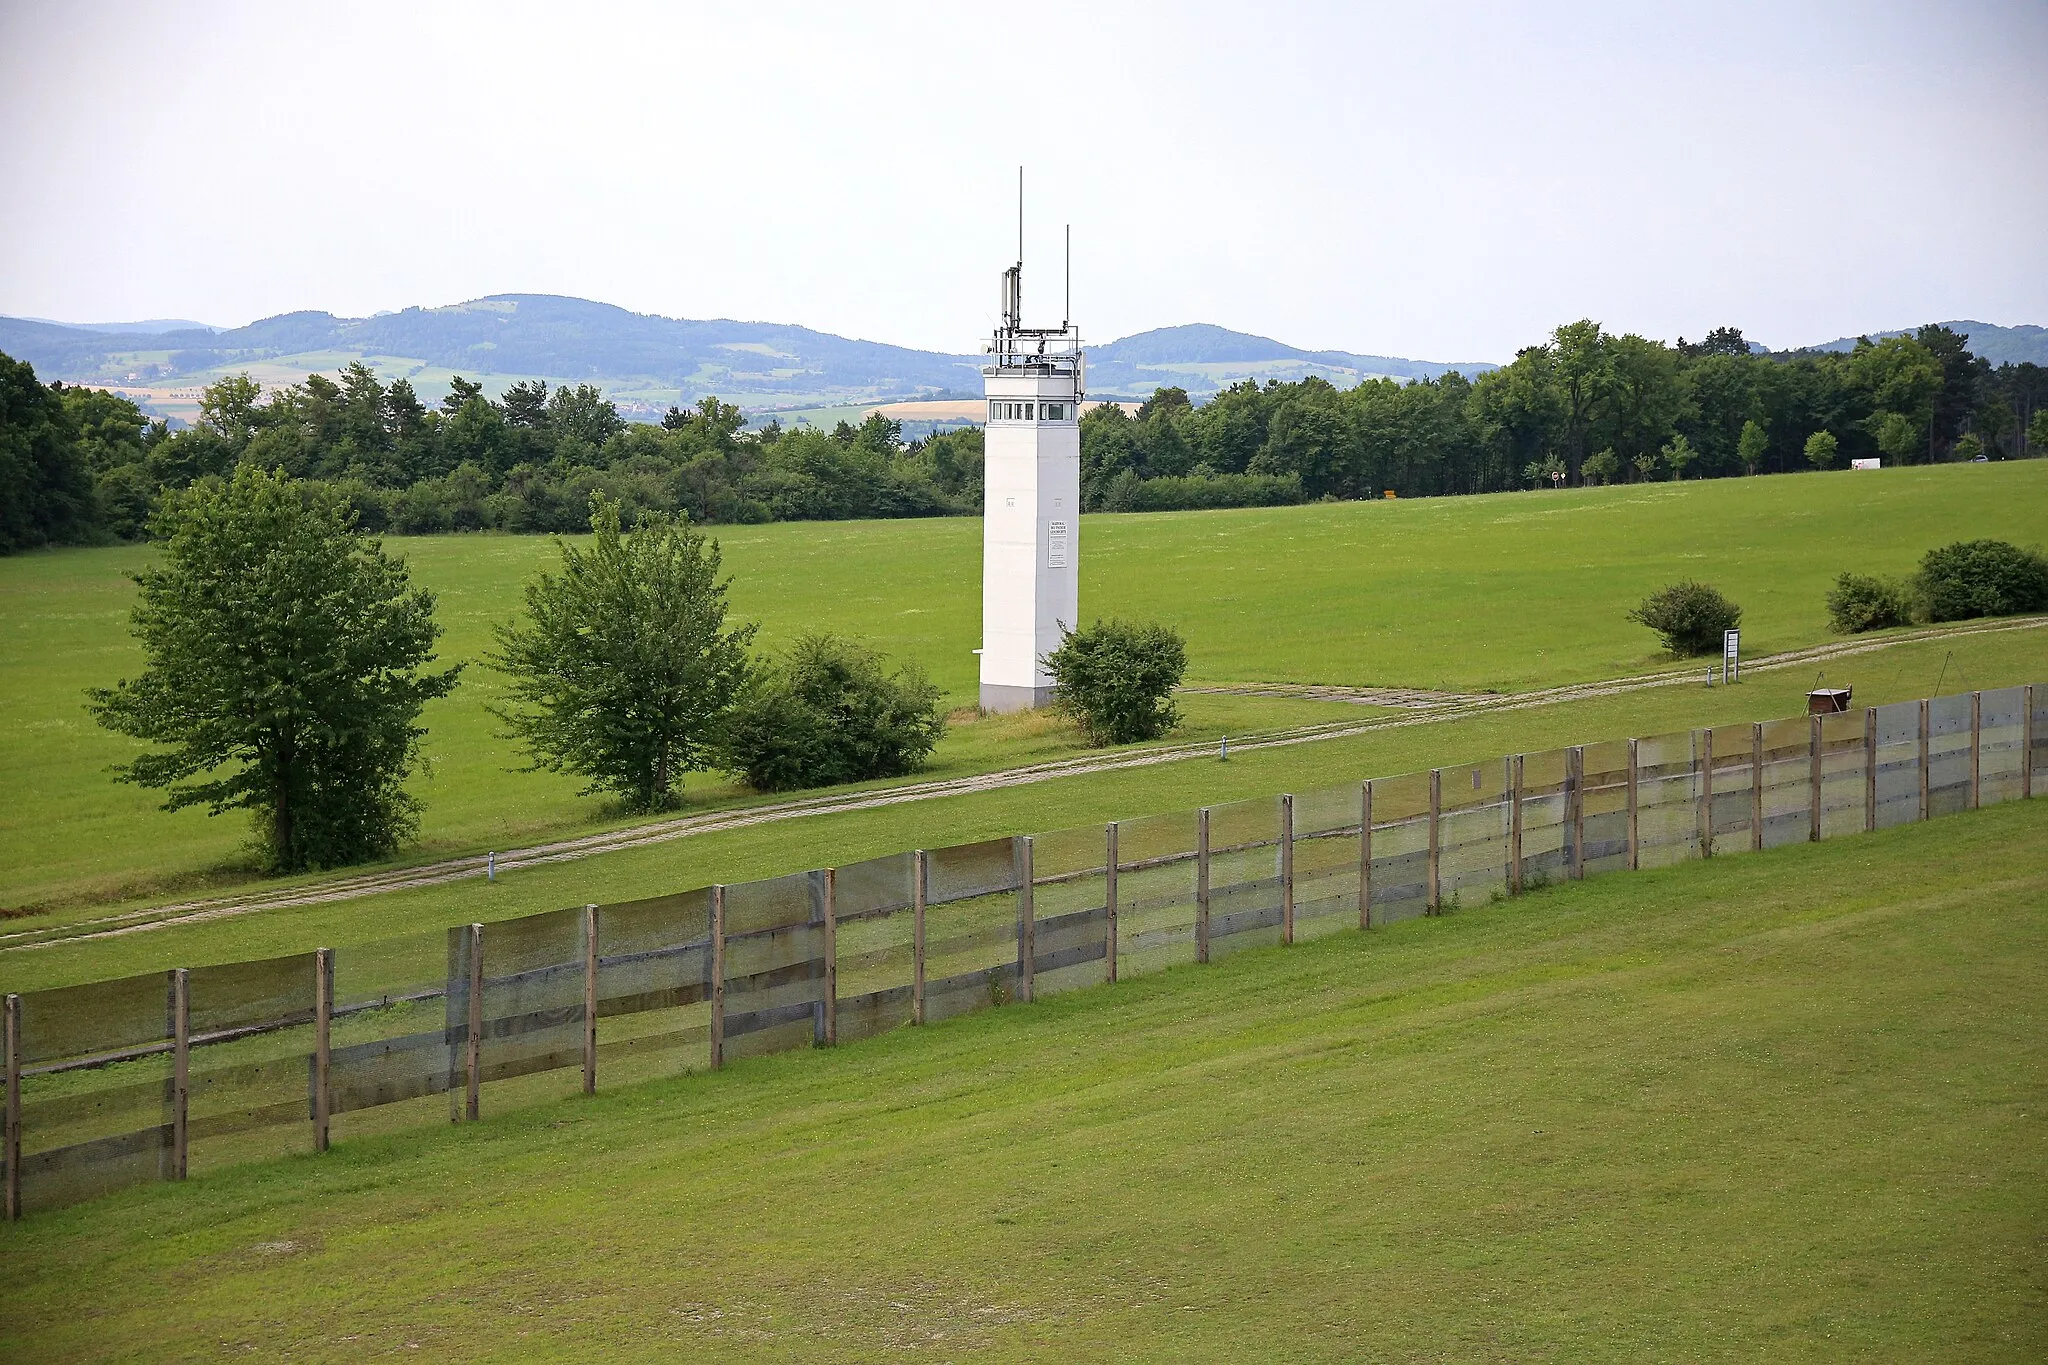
(1415, 179)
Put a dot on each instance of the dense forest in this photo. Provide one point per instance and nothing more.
(78, 464)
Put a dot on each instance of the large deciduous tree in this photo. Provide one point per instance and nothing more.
(286, 668)
(624, 669)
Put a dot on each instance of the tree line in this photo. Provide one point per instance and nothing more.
(80, 464)
(1584, 407)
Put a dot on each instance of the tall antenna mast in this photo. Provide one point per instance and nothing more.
(1020, 215)
(1067, 306)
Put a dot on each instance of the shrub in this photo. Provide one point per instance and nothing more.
(1690, 616)
(831, 712)
(1116, 680)
(1860, 602)
(1982, 578)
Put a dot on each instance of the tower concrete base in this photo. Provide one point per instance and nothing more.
(1002, 698)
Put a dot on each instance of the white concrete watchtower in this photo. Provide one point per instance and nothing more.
(1031, 516)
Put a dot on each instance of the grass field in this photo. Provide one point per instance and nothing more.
(1500, 592)
(1786, 1106)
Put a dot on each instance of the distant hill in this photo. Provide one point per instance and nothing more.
(1203, 358)
(645, 362)
(147, 327)
(1999, 345)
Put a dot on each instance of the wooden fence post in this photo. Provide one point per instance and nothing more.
(1436, 801)
(717, 976)
(1515, 826)
(1109, 857)
(1813, 780)
(1756, 786)
(13, 1132)
(590, 999)
(1706, 811)
(474, 1054)
(1976, 748)
(1635, 845)
(918, 886)
(1575, 783)
(323, 1045)
(1923, 758)
(1027, 922)
(1202, 885)
(1286, 869)
(2027, 742)
(181, 1070)
(831, 956)
(1365, 855)
(1869, 769)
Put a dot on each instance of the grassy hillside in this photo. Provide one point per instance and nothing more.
(1502, 592)
(1785, 1106)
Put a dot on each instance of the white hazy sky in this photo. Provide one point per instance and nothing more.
(1433, 181)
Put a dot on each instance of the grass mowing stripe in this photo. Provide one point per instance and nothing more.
(1786, 1105)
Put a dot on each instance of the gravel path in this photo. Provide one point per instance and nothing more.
(1439, 707)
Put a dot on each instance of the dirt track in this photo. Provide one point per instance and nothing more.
(1415, 712)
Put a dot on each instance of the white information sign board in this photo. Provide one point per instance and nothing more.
(1731, 656)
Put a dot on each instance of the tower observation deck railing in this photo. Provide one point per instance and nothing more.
(115, 1083)
(1034, 350)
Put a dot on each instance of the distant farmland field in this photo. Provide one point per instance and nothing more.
(1504, 592)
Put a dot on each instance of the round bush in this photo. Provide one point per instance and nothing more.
(1116, 680)
(1983, 578)
(1860, 602)
(831, 712)
(1689, 616)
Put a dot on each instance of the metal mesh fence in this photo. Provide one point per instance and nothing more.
(155, 1076)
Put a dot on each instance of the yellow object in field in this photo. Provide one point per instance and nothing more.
(1390, 493)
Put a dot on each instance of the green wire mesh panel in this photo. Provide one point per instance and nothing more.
(1948, 755)
(2002, 758)
(1898, 764)
(1400, 847)
(872, 903)
(1155, 892)
(1326, 859)
(1667, 798)
(653, 986)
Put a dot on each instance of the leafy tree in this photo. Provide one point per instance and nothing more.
(831, 712)
(1689, 616)
(1585, 372)
(1822, 449)
(1896, 436)
(625, 669)
(285, 670)
(1678, 455)
(1968, 446)
(1604, 467)
(1647, 464)
(1860, 602)
(2037, 431)
(1973, 578)
(1750, 447)
(1116, 680)
(45, 489)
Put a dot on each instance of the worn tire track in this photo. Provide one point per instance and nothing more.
(661, 831)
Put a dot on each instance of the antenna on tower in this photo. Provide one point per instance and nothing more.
(1067, 307)
(1020, 215)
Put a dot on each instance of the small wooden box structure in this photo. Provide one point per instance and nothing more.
(1828, 701)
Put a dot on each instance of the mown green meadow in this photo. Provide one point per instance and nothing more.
(1500, 592)
(1784, 1106)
